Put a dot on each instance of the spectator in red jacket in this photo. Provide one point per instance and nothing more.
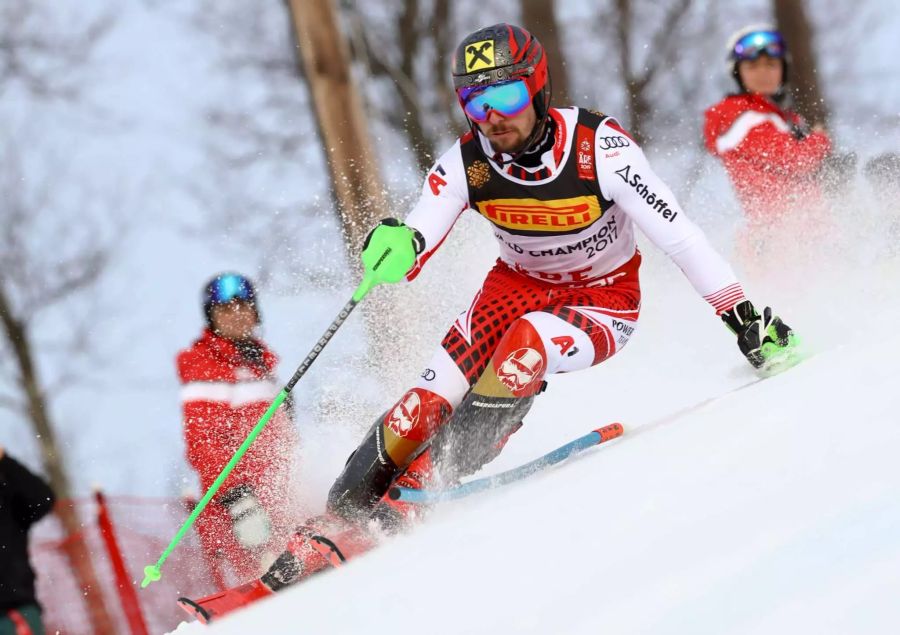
(228, 383)
(772, 156)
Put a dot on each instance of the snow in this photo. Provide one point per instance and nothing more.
(725, 507)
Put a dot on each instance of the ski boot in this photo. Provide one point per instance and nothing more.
(395, 515)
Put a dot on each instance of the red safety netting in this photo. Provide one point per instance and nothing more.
(140, 528)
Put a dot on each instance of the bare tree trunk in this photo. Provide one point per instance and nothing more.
(352, 162)
(634, 86)
(75, 548)
(340, 118)
(539, 17)
(664, 43)
(410, 44)
(795, 26)
(440, 29)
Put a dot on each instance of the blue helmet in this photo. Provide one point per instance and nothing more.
(227, 287)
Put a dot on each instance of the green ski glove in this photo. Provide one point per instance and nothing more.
(390, 251)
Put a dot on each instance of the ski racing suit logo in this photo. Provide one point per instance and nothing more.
(480, 55)
(519, 369)
(530, 214)
(478, 174)
(585, 155)
(610, 143)
(405, 415)
(655, 201)
(622, 327)
(436, 179)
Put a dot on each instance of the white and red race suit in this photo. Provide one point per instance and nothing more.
(564, 294)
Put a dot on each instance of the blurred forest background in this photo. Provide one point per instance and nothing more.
(146, 146)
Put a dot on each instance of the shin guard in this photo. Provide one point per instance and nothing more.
(385, 451)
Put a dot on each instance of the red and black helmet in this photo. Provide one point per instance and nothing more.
(502, 53)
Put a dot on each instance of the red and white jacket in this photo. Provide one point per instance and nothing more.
(223, 397)
(771, 170)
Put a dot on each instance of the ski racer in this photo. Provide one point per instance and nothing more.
(228, 382)
(563, 189)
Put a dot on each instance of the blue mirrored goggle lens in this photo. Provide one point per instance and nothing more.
(759, 43)
(507, 99)
(227, 288)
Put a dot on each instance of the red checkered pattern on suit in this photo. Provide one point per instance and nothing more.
(507, 295)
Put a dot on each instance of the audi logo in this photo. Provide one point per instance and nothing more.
(608, 143)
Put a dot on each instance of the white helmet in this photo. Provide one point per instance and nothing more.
(752, 41)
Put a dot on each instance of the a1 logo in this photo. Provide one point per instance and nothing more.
(565, 342)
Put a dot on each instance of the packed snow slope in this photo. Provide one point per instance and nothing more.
(769, 508)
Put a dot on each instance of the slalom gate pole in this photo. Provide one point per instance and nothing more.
(424, 496)
(152, 572)
(128, 598)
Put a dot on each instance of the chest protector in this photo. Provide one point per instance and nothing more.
(524, 203)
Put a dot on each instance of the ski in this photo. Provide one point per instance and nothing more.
(218, 604)
(308, 553)
(223, 602)
(353, 541)
(424, 496)
(776, 363)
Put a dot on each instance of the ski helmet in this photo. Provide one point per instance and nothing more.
(503, 54)
(751, 42)
(228, 287)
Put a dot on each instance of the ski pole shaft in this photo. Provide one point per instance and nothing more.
(152, 572)
(596, 437)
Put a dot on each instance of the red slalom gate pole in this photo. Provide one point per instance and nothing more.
(131, 606)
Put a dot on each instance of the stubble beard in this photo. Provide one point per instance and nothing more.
(509, 145)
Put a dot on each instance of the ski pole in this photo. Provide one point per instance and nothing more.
(423, 496)
(384, 261)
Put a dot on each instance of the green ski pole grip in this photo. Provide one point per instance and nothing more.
(153, 572)
(388, 256)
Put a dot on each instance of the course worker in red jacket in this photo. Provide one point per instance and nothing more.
(228, 382)
(773, 157)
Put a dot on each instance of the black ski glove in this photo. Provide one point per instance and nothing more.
(758, 337)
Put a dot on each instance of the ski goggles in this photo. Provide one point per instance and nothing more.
(507, 99)
(229, 287)
(757, 43)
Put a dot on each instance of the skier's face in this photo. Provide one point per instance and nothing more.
(509, 134)
(235, 320)
(762, 75)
